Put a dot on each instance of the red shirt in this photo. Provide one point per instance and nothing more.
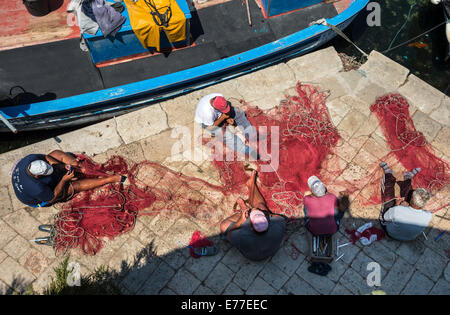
(321, 211)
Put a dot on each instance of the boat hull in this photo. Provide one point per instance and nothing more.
(105, 104)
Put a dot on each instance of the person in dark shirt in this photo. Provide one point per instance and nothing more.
(41, 180)
(255, 231)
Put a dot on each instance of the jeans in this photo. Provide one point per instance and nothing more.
(388, 193)
(232, 141)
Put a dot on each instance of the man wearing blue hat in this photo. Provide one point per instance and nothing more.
(40, 180)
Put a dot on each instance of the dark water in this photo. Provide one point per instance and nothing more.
(427, 62)
(406, 19)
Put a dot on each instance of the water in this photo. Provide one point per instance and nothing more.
(427, 62)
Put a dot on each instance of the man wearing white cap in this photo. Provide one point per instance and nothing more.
(255, 231)
(39, 180)
(323, 211)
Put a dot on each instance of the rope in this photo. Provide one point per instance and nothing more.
(414, 38)
(404, 24)
(340, 33)
(161, 19)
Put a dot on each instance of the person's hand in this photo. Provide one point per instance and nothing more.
(404, 203)
(307, 193)
(231, 121)
(69, 175)
(77, 164)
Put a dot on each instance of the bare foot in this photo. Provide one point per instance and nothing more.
(241, 203)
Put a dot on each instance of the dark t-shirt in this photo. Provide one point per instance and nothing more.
(259, 246)
(33, 191)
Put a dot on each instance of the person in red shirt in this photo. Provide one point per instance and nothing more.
(323, 210)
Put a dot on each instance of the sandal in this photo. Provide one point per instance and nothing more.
(320, 269)
(206, 251)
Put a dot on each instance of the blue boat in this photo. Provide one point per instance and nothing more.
(61, 86)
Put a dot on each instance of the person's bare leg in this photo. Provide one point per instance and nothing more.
(92, 183)
(231, 219)
(256, 199)
(63, 157)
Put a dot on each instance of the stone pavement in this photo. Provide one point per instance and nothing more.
(153, 259)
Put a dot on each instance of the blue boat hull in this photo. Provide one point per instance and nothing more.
(96, 106)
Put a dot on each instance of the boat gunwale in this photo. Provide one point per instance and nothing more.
(165, 82)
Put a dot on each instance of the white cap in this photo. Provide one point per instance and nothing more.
(316, 186)
(40, 167)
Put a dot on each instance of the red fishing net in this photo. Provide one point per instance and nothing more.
(198, 240)
(409, 145)
(307, 141)
(104, 212)
(305, 136)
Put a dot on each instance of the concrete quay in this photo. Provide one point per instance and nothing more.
(418, 267)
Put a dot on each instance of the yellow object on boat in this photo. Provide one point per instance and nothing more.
(145, 28)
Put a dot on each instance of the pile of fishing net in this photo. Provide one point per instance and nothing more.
(305, 137)
(90, 217)
(105, 212)
(409, 145)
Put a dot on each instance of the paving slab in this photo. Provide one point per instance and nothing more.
(247, 273)
(421, 95)
(298, 286)
(380, 253)
(309, 67)
(423, 123)
(411, 251)
(442, 113)
(260, 287)
(141, 124)
(94, 139)
(340, 290)
(322, 284)
(354, 282)
(286, 262)
(17, 277)
(265, 87)
(431, 264)
(22, 221)
(418, 285)
(442, 141)
(233, 289)
(5, 200)
(219, 278)
(202, 267)
(399, 275)
(158, 280)
(273, 276)
(183, 282)
(446, 272)
(384, 71)
(442, 287)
